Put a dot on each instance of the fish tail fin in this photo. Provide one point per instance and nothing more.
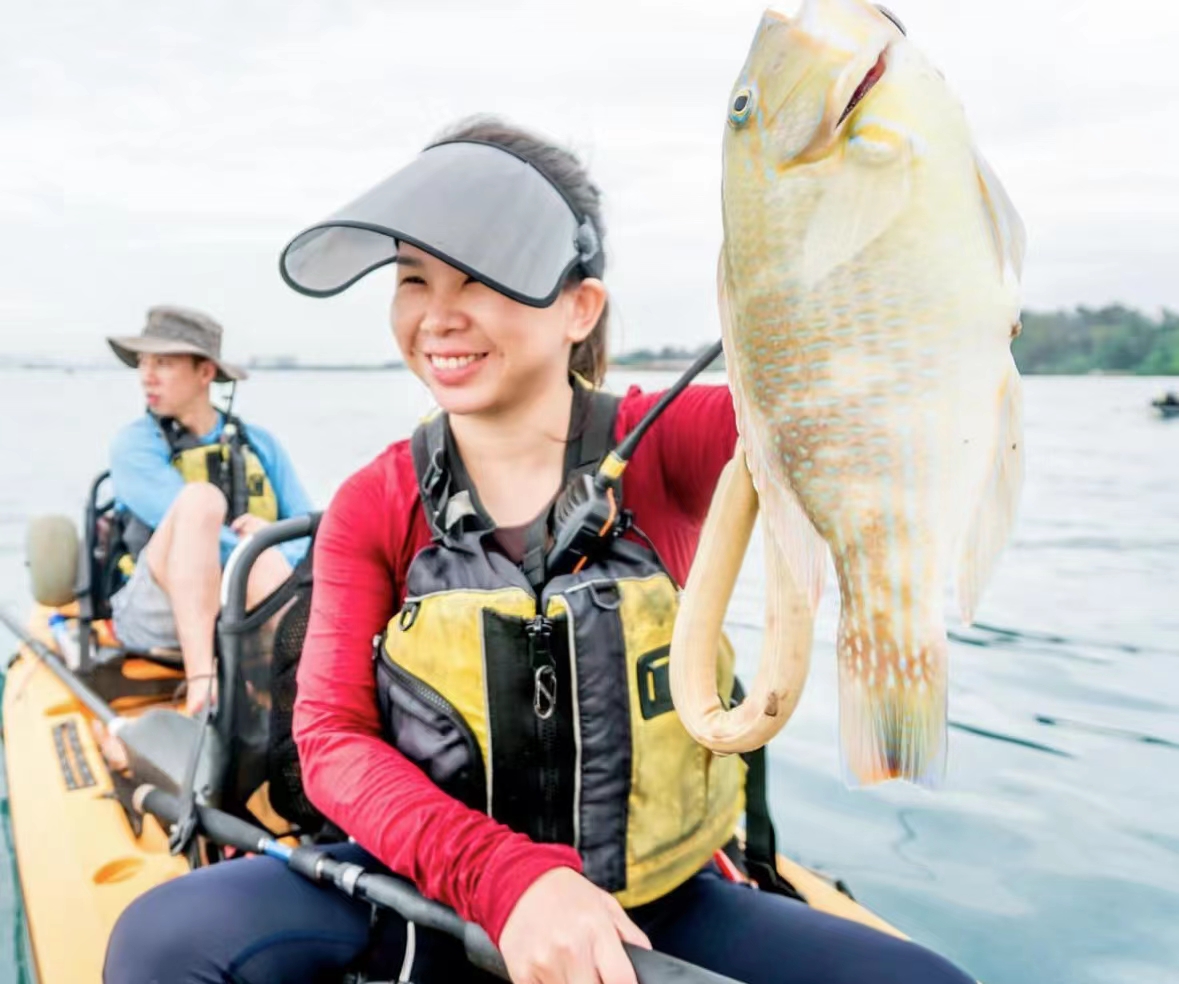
(892, 711)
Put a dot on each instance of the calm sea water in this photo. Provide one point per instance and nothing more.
(1052, 852)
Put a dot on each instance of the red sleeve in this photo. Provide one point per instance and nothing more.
(452, 853)
(693, 440)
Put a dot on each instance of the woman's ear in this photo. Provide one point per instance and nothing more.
(587, 298)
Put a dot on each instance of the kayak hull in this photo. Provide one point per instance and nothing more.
(80, 861)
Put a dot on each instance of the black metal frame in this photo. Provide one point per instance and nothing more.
(235, 618)
(90, 573)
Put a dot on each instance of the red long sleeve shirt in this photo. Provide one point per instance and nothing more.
(369, 535)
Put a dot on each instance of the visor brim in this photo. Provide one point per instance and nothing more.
(475, 206)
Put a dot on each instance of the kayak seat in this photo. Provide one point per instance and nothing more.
(134, 675)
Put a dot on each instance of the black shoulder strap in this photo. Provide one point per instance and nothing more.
(591, 437)
(428, 446)
(593, 417)
(241, 433)
(179, 438)
(592, 426)
(761, 846)
(175, 435)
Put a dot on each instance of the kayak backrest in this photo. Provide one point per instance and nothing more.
(255, 719)
(283, 770)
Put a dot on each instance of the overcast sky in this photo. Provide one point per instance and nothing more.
(165, 152)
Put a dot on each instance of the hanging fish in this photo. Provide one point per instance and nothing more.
(869, 292)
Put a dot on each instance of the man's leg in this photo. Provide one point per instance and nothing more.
(184, 557)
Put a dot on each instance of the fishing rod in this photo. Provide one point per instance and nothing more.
(392, 893)
(586, 514)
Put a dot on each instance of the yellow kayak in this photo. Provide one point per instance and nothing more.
(80, 857)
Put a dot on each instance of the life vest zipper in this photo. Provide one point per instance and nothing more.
(544, 704)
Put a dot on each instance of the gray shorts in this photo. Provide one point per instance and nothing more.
(142, 613)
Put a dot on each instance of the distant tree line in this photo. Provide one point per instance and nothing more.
(1108, 339)
(1113, 339)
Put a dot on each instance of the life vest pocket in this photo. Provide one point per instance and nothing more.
(427, 729)
(669, 771)
(669, 785)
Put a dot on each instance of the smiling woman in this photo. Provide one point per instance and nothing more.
(499, 731)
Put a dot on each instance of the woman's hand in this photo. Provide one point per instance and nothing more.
(566, 930)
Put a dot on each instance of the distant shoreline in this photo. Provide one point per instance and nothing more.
(625, 364)
(1110, 341)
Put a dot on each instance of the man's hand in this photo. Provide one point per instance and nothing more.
(246, 525)
(566, 930)
(201, 690)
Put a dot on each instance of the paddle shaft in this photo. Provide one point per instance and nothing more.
(95, 704)
(395, 894)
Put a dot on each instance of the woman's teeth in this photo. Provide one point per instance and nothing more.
(452, 361)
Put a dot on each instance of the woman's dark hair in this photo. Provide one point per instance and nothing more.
(563, 169)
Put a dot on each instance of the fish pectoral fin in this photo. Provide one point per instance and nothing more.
(861, 200)
(791, 534)
(995, 515)
(1007, 230)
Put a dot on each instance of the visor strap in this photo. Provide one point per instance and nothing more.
(589, 248)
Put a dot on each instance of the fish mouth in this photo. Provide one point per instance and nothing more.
(875, 74)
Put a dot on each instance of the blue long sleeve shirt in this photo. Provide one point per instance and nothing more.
(146, 483)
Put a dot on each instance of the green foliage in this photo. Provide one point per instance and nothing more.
(1109, 339)
(1112, 339)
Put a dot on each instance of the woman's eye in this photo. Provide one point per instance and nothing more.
(470, 280)
(411, 279)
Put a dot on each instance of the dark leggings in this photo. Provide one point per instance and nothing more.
(255, 922)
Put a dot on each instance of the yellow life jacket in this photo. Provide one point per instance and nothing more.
(230, 463)
(550, 709)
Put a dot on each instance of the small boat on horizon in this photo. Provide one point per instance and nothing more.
(1167, 405)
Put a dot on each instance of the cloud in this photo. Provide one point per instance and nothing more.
(166, 153)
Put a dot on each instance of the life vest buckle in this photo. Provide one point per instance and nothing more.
(544, 694)
(409, 615)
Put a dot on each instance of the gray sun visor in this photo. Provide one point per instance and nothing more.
(475, 206)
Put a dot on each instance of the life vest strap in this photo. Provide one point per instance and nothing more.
(442, 479)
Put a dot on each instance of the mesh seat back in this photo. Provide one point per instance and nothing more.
(282, 759)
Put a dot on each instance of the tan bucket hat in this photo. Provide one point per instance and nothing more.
(177, 331)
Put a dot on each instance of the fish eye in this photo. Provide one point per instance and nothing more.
(741, 107)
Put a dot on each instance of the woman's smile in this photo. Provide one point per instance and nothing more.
(454, 369)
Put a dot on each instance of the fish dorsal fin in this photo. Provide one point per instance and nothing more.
(1007, 229)
(789, 530)
(995, 515)
(869, 189)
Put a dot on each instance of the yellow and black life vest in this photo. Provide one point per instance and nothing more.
(230, 463)
(549, 707)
